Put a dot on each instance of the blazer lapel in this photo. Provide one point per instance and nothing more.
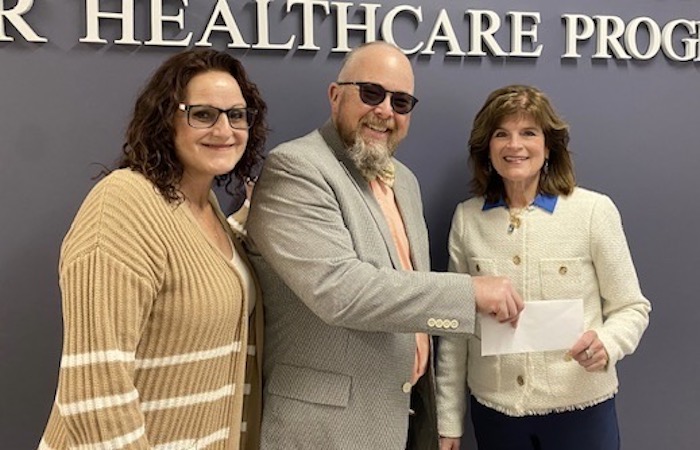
(330, 135)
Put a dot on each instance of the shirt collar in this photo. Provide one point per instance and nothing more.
(544, 201)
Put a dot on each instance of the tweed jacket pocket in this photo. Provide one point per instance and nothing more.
(561, 278)
(310, 385)
(482, 266)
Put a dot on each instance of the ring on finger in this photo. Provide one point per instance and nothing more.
(589, 353)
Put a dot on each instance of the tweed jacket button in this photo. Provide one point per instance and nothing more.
(478, 268)
(438, 323)
(431, 322)
(406, 388)
(516, 260)
(520, 380)
(563, 270)
(454, 323)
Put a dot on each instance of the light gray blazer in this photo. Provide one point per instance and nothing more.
(340, 313)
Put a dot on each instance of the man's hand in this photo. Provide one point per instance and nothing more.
(420, 362)
(449, 443)
(497, 297)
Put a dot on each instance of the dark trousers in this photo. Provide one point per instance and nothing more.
(593, 428)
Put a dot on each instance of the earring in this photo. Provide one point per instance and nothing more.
(545, 168)
(490, 167)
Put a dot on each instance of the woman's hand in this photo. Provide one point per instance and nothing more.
(589, 352)
(249, 183)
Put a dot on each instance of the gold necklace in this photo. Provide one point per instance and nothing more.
(515, 218)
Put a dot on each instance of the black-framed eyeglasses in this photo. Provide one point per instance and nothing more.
(205, 116)
(373, 94)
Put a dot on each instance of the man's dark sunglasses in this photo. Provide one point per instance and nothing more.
(373, 94)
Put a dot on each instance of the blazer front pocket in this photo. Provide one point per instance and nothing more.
(310, 385)
(561, 278)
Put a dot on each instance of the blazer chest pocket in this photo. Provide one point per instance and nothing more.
(561, 278)
(310, 385)
(482, 266)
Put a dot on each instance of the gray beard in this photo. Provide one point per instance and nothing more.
(370, 159)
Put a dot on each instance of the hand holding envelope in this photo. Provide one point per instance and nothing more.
(590, 352)
(497, 296)
(543, 325)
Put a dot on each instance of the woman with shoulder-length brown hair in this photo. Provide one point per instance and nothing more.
(158, 297)
(556, 176)
(530, 222)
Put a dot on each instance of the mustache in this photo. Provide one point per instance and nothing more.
(378, 123)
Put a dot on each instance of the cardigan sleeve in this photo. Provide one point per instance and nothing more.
(108, 285)
(238, 219)
(451, 369)
(104, 306)
(624, 307)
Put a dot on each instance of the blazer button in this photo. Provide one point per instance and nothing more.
(406, 388)
(516, 260)
(520, 380)
(438, 323)
(478, 268)
(431, 322)
(563, 270)
(454, 323)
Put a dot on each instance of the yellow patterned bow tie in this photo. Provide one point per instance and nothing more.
(388, 175)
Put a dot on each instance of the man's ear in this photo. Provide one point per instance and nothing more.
(333, 92)
(333, 95)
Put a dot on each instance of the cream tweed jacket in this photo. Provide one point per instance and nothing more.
(577, 251)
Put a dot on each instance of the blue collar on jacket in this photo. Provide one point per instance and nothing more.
(544, 201)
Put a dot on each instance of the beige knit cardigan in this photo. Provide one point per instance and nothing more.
(155, 330)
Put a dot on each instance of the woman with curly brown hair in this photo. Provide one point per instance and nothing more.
(158, 297)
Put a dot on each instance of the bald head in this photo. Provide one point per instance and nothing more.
(377, 56)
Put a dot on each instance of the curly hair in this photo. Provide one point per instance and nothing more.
(557, 179)
(150, 137)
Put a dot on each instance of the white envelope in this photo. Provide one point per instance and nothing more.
(543, 326)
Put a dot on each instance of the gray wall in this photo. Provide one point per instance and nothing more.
(64, 107)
